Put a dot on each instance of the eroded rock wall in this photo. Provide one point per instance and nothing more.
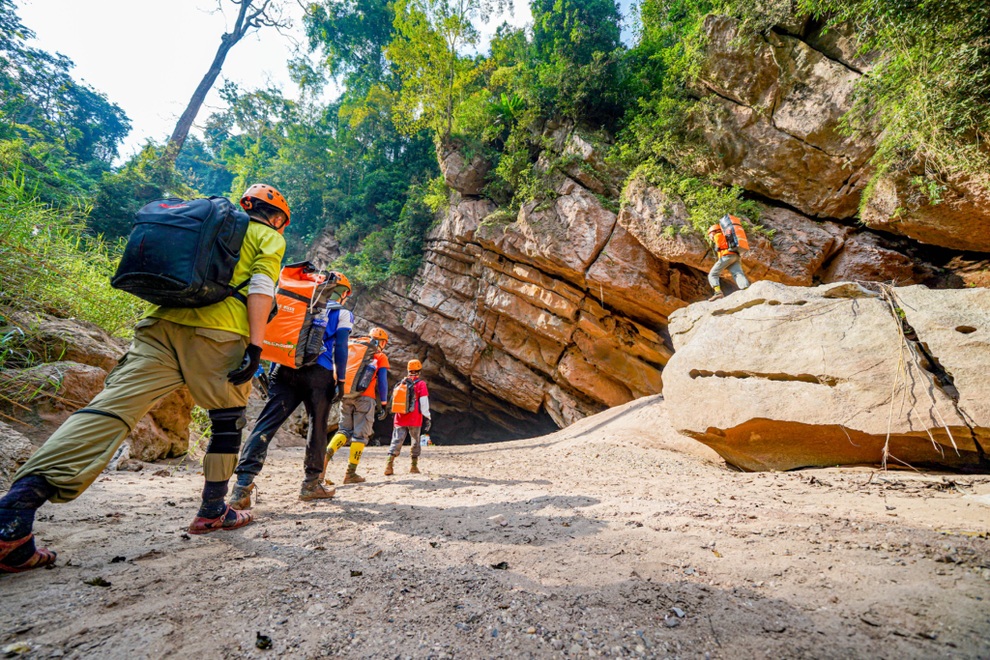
(560, 308)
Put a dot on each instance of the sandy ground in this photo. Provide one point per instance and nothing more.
(614, 537)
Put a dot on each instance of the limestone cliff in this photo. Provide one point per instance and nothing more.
(556, 310)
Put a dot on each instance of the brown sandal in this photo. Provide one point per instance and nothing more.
(42, 556)
(207, 525)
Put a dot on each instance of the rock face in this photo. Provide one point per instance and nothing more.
(776, 105)
(84, 355)
(958, 221)
(15, 449)
(550, 312)
(463, 171)
(778, 377)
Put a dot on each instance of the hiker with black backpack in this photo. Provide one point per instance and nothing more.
(411, 406)
(325, 325)
(729, 240)
(211, 270)
(364, 399)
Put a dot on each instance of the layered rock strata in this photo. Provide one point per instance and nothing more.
(778, 377)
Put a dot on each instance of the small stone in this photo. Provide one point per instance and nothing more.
(678, 612)
(531, 630)
(672, 623)
(316, 610)
(774, 627)
(17, 648)
(499, 519)
(575, 649)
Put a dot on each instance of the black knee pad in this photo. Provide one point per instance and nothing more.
(227, 425)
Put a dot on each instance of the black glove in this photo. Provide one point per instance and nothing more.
(339, 392)
(427, 423)
(249, 365)
(382, 412)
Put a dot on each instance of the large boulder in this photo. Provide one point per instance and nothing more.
(778, 377)
(959, 220)
(774, 126)
(51, 339)
(463, 170)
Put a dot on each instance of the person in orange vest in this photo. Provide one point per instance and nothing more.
(728, 258)
(411, 423)
(358, 406)
(314, 386)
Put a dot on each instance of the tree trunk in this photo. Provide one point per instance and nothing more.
(192, 109)
(242, 25)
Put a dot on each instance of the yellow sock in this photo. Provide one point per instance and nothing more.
(336, 443)
(356, 449)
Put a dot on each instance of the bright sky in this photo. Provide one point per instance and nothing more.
(147, 56)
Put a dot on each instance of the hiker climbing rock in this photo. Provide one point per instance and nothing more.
(411, 405)
(213, 349)
(365, 391)
(311, 329)
(729, 239)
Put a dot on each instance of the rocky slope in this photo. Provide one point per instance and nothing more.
(559, 309)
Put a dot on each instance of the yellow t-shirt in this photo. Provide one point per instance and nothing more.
(261, 253)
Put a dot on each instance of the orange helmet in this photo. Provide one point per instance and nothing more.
(265, 193)
(414, 365)
(714, 229)
(341, 281)
(380, 335)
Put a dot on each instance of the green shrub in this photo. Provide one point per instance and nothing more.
(50, 264)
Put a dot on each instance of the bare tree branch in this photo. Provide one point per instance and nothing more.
(252, 15)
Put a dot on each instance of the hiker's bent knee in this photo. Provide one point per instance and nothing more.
(226, 424)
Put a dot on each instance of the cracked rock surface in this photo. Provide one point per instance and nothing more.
(779, 377)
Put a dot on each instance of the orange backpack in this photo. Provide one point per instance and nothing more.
(294, 337)
(404, 397)
(733, 235)
(361, 366)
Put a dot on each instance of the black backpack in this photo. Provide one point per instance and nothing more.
(182, 253)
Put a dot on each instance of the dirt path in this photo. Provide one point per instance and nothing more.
(592, 542)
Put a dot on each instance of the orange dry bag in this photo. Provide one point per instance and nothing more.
(361, 366)
(404, 397)
(735, 235)
(294, 338)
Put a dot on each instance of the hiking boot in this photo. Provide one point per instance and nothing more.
(352, 477)
(240, 497)
(718, 296)
(315, 490)
(414, 466)
(388, 466)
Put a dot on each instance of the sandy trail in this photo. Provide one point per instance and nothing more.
(612, 538)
